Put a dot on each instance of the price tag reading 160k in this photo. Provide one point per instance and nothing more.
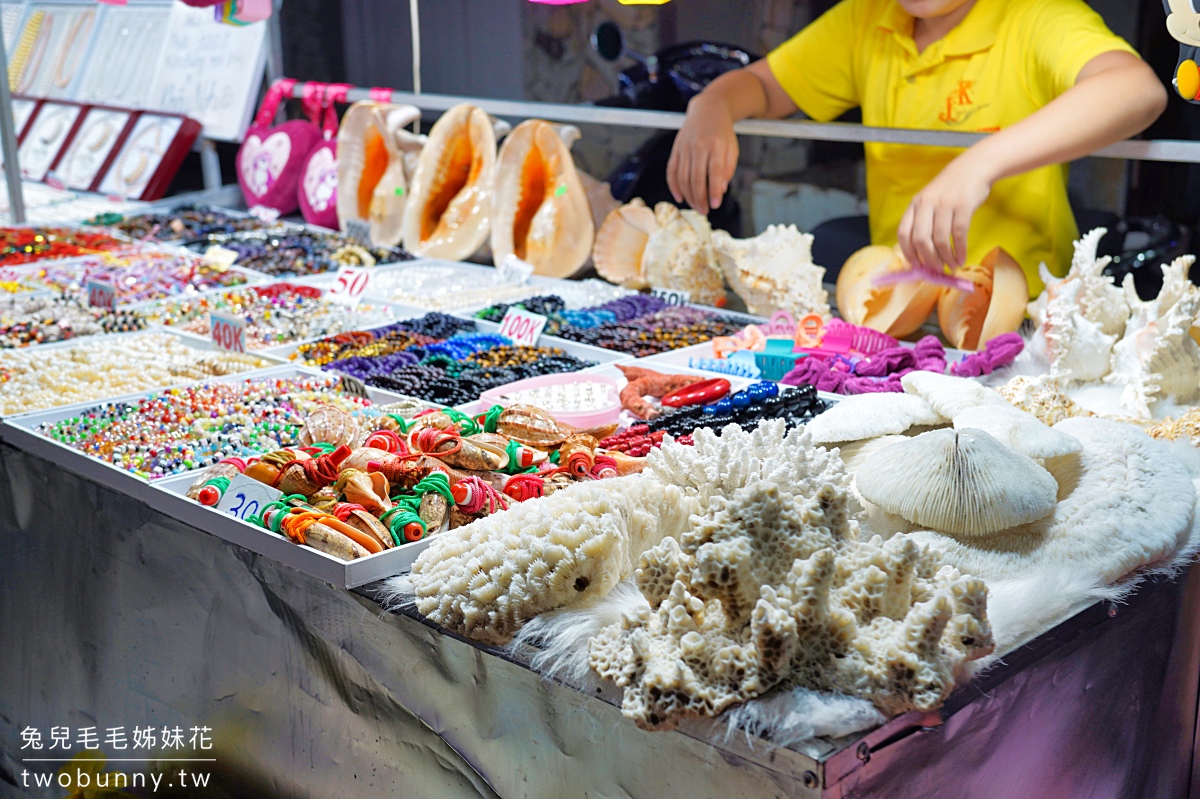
(246, 497)
(523, 327)
(228, 332)
(349, 285)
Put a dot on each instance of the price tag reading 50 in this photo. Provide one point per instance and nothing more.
(349, 285)
(523, 327)
(672, 296)
(228, 332)
(101, 295)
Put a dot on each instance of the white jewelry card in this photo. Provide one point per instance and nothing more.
(47, 134)
(141, 155)
(97, 136)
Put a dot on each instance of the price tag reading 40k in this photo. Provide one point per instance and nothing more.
(228, 332)
(101, 295)
(672, 296)
(523, 327)
(246, 497)
(349, 285)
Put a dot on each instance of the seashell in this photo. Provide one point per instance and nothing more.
(478, 456)
(368, 524)
(325, 539)
(433, 511)
(372, 180)
(362, 489)
(679, 255)
(448, 214)
(329, 425)
(896, 310)
(1158, 358)
(621, 241)
(578, 454)
(267, 468)
(531, 426)
(437, 419)
(1078, 348)
(774, 271)
(599, 196)
(997, 306)
(363, 457)
(961, 482)
(540, 211)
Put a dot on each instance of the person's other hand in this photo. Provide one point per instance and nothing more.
(705, 154)
(933, 232)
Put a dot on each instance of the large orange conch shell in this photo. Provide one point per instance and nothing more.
(897, 310)
(540, 211)
(372, 178)
(621, 241)
(449, 208)
(997, 306)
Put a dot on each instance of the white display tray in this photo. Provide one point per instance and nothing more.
(166, 496)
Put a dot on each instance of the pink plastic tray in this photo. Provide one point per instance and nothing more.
(597, 418)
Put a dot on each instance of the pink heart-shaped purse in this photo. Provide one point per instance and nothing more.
(271, 158)
(317, 192)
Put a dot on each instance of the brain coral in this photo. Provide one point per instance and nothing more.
(773, 587)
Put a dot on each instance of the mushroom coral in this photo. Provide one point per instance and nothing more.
(774, 588)
(865, 416)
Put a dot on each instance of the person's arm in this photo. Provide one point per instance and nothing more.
(1115, 96)
(705, 154)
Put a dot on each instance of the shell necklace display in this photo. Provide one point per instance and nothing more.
(87, 18)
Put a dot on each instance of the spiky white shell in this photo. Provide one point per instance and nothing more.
(774, 271)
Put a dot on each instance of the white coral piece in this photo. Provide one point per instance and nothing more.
(487, 578)
(679, 255)
(865, 416)
(1128, 504)
(774, 271)
(773, 587)
(1043, 396)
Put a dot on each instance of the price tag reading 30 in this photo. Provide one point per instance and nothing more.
(349, 285)
(672, 296)
(228, 332)
(523, 327)
(101, 295)
(246, 497)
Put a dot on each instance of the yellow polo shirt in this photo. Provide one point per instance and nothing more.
(1007, 59)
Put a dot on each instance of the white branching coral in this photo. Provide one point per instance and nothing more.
(774, 587)
(487, 578)
(1043, 396)
(774, 271)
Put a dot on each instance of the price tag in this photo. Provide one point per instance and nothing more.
(359, 231)
(228, 332)
(101, 295)
(514, 270)
(672, 296)
(246, 497)
(349, 285)
(262, 212)
(220, 257)
(523, 327)
(53, 180)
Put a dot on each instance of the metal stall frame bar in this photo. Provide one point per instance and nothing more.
(1134, 150)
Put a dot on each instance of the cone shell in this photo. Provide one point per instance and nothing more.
(621, 241)
(997, 306)
(449, 208)
(896, 310)
(372, 180)
(433, 511)
(541, 212)
(366, 523)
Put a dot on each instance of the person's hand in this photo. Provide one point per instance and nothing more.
(705, 155)
(933, 232)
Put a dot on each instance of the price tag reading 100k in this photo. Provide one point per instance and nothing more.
(349, 285)
(523, 327)
(246, 497)
(228, 332)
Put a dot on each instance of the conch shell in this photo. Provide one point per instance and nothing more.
(774, 271)
(448, 214)
(372, 178)
(532, 426)
(621, 241)
(369, 490)
(541, 212)
(896, 310)
(997, 306)
(679, 255)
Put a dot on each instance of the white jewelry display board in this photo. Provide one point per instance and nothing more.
(46, 137)
(209, 71)
(49, 54)
(10, 18)
(90, 148)
(139, 158)
(128, 42)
